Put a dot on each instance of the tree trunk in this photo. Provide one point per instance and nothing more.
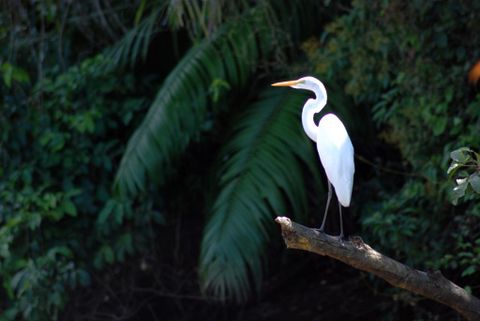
(355, 252)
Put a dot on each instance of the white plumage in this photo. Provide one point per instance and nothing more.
(333, 143)
(336, 154)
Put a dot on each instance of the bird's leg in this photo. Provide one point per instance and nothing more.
(322, 227)
(341, 236)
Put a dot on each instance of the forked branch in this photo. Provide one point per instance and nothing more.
(355, 252)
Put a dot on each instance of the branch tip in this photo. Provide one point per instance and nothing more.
(284, 222)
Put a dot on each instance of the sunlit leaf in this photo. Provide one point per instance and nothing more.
(461, 155)
(458, 192)
(453, 168)
(474, 181)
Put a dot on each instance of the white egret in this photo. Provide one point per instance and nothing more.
(333, 144)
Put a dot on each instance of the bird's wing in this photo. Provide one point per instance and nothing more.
(336, 154)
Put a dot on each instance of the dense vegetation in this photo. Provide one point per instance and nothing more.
(143, 155)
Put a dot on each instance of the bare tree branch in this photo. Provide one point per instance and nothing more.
(355, 252)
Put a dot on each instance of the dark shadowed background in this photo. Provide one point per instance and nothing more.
(144, 156)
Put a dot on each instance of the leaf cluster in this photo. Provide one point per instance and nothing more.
(63, 142)
(464, 171)
(397, 82)
(57, 153)
(406, 65)
(263, 171)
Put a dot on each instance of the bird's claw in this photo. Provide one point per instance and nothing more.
(319, 230)
(339, 238)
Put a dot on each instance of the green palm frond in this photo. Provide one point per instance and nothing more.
(201, 18)
(135, 42)
(262, 176)
(231, 55)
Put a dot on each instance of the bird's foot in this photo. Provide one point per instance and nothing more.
(341, 238)
(320, 230)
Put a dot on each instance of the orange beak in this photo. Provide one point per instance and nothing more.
(285, 83)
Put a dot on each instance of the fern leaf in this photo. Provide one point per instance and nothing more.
(262, 176)
(127, 50)
(182, 104)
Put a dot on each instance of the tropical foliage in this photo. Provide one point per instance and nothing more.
(465, 170)
(413, 79)
(250, 191)
(194, 94)
(55, 141)
(133, 131)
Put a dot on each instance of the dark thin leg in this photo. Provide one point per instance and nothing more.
(328, 204)
(341, 220)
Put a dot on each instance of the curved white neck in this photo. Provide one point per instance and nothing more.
(311, 107)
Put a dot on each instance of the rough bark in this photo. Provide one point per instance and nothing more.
(355, 252)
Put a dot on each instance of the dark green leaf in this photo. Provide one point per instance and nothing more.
(69, 208)
(469, 271)
(263, 173)
(183, 105)
(439, 126)
(106, 211)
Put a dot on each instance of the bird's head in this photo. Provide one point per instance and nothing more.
(307, 83)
